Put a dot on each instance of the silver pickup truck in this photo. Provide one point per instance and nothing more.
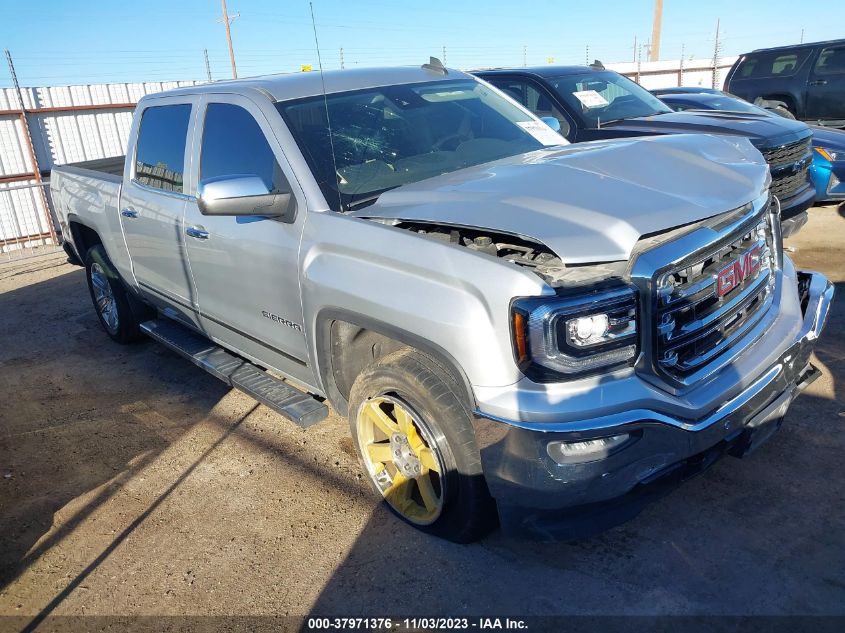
(516, 328)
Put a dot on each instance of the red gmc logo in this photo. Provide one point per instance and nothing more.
(738, 270)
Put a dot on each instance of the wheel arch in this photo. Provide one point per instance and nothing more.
(789, 100)
(83, 236)
(346, 342)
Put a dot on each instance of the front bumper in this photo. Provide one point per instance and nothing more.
(794, 210)
(537, 495)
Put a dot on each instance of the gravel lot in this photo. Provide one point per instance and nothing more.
(135, 484)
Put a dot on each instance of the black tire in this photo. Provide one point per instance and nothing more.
(785, 112)
(129, 312)
(418, 381)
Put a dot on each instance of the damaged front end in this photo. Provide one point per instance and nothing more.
(520, 251)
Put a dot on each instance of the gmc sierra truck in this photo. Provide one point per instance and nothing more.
(517, 329)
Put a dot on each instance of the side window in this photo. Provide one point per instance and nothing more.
(785, 64)
(772, 64)
(830, 61)
(234, 145)
(530, 97)
(746, 69)
(514, 89)
(160, 152)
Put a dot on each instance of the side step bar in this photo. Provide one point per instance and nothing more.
(299, 407)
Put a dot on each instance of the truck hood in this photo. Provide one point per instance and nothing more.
(588, 202)
(762, 130)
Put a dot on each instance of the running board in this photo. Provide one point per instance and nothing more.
(297, 406)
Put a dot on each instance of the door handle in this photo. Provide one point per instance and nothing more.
(819, 82)
(129, 213)
(197, 232)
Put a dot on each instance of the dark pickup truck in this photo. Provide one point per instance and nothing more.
(808, 79)
(593, 103)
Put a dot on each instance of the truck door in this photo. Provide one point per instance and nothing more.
(246, 267)
(152, 206)
(826, 86)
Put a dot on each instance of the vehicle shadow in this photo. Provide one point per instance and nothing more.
(67, 431)
(759, 535)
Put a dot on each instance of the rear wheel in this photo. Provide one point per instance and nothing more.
(112, 302)
(417, 445)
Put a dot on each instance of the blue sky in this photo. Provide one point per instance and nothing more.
(57, 42)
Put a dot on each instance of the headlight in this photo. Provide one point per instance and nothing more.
(575, 334)
(830, 154)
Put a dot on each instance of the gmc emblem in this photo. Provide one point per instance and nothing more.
(738, 270)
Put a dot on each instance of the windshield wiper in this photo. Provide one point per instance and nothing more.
(601, 123)
(360, 203)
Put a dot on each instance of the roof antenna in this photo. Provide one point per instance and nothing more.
(326, 105)
(435, 65)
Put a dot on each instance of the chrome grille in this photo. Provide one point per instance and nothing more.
(705, 306)
(785, 154)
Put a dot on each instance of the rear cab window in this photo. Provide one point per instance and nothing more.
(160, 150)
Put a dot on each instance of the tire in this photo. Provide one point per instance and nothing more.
(119, 313)
(418, 399)
(783, 111)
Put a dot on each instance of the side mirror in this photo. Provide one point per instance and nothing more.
(551, 122)
(244, 195)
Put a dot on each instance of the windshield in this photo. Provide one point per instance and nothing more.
(393, 135)
(604, 96)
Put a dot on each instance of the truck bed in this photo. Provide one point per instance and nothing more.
(112, 166)
(88, 194)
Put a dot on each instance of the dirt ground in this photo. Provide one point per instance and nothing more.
(132, 483)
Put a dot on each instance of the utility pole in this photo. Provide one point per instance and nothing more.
(444, 55)
(227, 22)
(587, 56)
(802, 36)
(717, 50)
(635, 49)
(681, 69)
(654, 53)
(524, 56)
(207, 65)
(639, 62)
(341, 58)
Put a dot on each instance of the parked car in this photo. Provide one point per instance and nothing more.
(688, 98)
(508, 322)
(809, 79)
(684, 90)
(594, 103)
(827, 171)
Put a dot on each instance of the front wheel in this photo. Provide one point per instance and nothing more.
(111, 300)
(417, 445)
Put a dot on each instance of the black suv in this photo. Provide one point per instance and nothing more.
(593, 103)
(809, 79)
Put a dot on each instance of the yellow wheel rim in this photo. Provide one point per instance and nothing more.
(401, 459)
